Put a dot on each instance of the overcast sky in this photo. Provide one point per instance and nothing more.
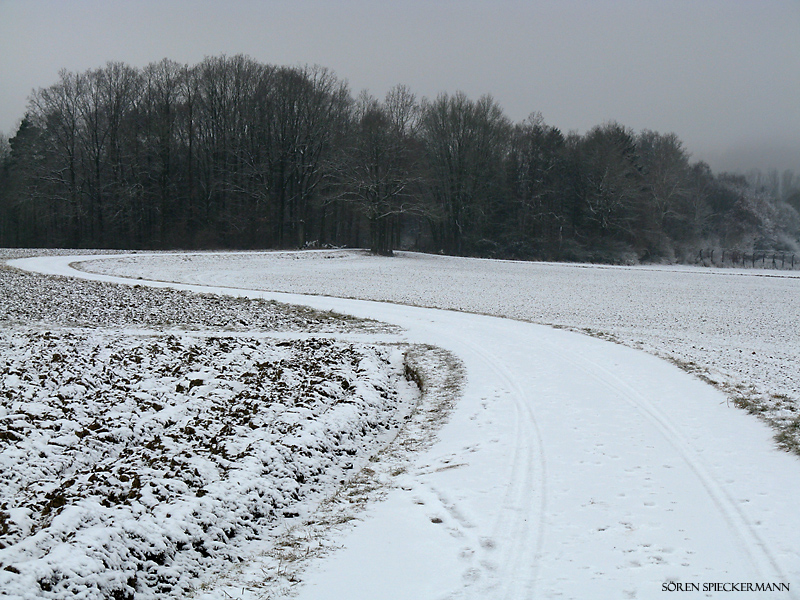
(722, 74)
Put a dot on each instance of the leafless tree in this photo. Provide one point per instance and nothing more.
(464, 143)
(377, 169)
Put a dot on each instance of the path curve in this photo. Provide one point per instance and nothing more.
(571, 468)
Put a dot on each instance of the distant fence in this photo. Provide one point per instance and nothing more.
(759, 259)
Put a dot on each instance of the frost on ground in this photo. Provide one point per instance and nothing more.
(139, 458)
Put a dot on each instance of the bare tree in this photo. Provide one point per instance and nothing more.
(535, 165)
(55, 111)
(464, 143)
(376, 171)
(666, 206)
(612, 180)
(160, 214)
(302, 111)
(5, 148)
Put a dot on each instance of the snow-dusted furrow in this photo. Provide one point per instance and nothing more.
(570, 468)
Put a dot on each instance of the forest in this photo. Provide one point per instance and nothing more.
(232, 153)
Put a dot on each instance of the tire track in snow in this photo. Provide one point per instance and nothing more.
(526, 493)
(743, 529)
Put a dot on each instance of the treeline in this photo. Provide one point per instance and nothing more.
(232, 153)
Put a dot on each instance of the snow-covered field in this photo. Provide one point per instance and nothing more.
(570, 467)
(737, 328)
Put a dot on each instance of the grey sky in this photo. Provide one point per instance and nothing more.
(722, 74)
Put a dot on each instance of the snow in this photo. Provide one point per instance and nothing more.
(143, 461)
(570, 467)
(738, 328)
(151, 466)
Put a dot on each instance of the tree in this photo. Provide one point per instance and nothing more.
(5, 149)
(698, 208)
(26, 220)
(6, 215)
(376, 171)
(665, 206)
(56, 113)
(105, 104)
(160, 159)
(535, 166)
(235, 153)
(611, 182)
(302, 113)
(224, 87)
(464, 144)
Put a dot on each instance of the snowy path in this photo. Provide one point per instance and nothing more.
(571, 468)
